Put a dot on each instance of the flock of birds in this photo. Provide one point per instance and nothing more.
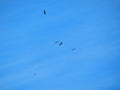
(60, 43)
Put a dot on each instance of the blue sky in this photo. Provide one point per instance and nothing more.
(27, 45)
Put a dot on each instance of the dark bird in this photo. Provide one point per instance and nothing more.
(73, 49)
(44, 12)
(60, 43)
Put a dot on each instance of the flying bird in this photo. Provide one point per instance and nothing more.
(57, 42)
(35, 74)
(73, 49)
(44, 12)
(60, 43)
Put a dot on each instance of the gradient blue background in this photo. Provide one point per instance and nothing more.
(27, 45)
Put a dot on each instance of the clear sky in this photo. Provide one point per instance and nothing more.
(31, 60)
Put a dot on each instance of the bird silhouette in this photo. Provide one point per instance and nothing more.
(44, 12)
(73, 49)
(35, 74)
(57, 42)
(60, 43)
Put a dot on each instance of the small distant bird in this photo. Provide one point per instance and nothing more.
(60, 43)
(35, 74)
(44, 12)
(73, 49)
(57, 42)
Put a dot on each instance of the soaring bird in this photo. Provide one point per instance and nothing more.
(44, 12)
(60, 43)
(73, 49)
(35, 74)
(57, 42)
